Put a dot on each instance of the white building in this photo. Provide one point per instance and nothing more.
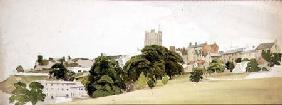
(153, 38)
(121, 59)
(68, 89)
(79, 69)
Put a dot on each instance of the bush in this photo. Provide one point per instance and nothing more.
(230, 65)
(264, 69)
(151, 83)
(216, 67)
(141, 82)
(252, 66)
(238, 60)
(196, 75)
(245, 59)
(165, 79)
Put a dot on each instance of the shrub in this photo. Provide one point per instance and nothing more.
(252, 66)
(196, 75)
(151, 83)
(141, 82)
(216, 67)
(165, 79)
(238, 60)
(230, 65)
(264, 69)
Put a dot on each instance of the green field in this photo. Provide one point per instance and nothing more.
(181, 90)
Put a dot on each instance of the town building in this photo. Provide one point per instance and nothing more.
(153, 38)
(272, 47)
(75, 64)
(232, 55)
(58, 88)
(197, 55)
(121, 59)
(202, 53)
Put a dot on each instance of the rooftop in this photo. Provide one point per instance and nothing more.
(263, 46)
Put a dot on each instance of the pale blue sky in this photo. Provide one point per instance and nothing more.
(86, 28)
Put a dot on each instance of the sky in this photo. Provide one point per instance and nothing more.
(86, 28)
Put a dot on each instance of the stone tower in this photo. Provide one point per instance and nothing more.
(153, 38)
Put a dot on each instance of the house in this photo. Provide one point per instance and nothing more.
(79, 69)
(58, 88)
(232, 55)
(272, 47)
(82, 62)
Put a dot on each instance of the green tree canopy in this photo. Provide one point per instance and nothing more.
(271, 58)
(59, 71)
(252, 66)
(230, 65)
(216, 66)
(155, 61)
(105, 78)
(21, 95)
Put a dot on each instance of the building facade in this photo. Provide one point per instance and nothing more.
(68, 89)
(153, 38)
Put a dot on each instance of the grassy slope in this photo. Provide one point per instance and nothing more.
(8, 84)
(181, 90)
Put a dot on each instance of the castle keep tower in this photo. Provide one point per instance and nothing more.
(153, 38)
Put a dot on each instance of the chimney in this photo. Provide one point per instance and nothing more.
(195, 43)
(190, 44)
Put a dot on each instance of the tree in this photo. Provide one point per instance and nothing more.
(60, 72)
(173, 63)
(151, 82)
(105, 78)
(135, 66)
(196, 75)
(245, 59)
(230, 65)
(36, 93)
(21, 95)
(155, 61)
(238, 60)
(20, 69)
(40, 59)
(142, 81)
(252, 66)
(216, 66)
(165, 79)
(271, 58)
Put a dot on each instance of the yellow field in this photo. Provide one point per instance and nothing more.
(181, 90)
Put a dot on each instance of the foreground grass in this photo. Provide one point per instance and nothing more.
(181, 90)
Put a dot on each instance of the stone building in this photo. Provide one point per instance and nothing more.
(272, 47)
(198, 54)
(203, 52)
(153, 38)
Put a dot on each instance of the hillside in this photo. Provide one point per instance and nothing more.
(8, 84)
